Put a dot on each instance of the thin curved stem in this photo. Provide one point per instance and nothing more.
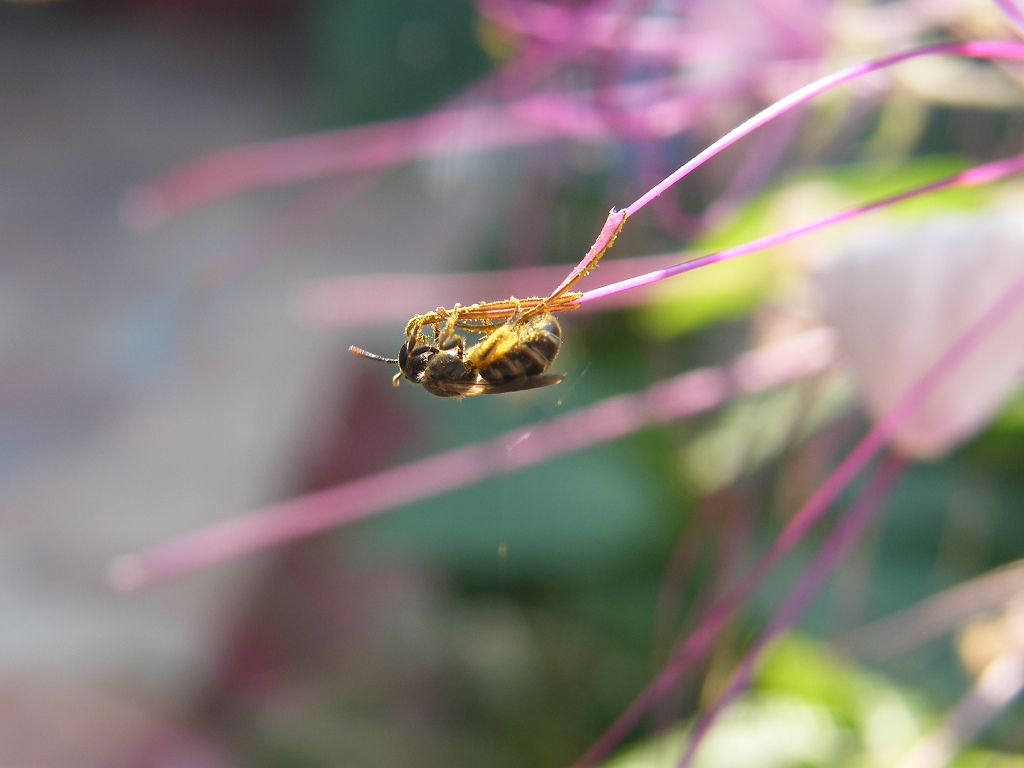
(977, 49)
(982, 174)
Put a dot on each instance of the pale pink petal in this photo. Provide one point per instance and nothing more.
(898, 299)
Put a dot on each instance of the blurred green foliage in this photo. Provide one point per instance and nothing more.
(811, 709)
(381, 59)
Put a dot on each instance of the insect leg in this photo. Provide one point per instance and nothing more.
(446, 337)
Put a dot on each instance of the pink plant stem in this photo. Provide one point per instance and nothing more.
(610, 69)
(941, 613)
(847, 531)
(349, 301)
(700, 640)
(605, 238)
(457, 129)
(597, 29)
(361, 148)
(358, 148)
(981, 174)
(690, 393)
(998, 684)
(978, 49)
(1013, 14)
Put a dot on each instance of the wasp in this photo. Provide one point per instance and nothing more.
(520, 340)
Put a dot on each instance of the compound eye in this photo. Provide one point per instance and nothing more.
(413, 363)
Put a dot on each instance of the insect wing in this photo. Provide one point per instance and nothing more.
(521, 385)
(483, 387)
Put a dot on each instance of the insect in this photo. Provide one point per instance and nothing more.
(512, 357)
(520, 340)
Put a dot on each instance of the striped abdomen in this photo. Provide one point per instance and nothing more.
(515, 352)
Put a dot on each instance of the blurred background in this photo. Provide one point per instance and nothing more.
(163, 370)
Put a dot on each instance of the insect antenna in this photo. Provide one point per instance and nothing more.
(363, 353)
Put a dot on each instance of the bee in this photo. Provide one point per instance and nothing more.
(520, 340)
(511, 357)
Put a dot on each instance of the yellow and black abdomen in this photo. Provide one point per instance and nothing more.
(518, 351)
